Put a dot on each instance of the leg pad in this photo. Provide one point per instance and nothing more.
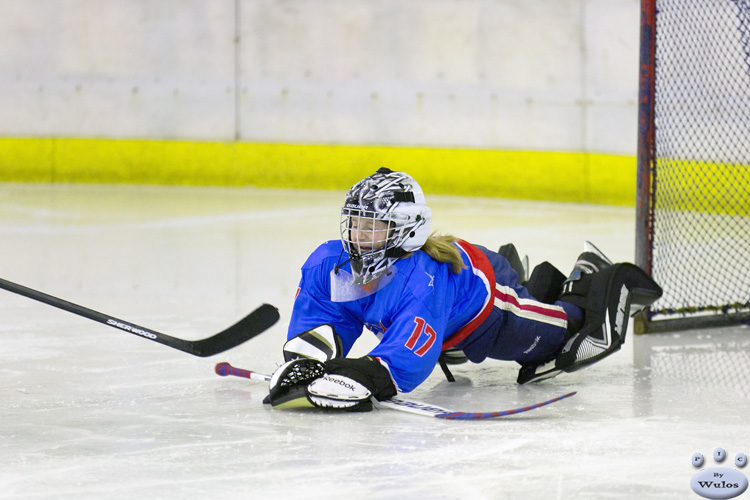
(606, 297)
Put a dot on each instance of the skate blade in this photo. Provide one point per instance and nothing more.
(590, 247)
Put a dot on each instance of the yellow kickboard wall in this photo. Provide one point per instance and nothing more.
(553, 176)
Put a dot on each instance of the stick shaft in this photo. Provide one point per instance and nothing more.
(225, 369)
(251, 325)
(84, 311)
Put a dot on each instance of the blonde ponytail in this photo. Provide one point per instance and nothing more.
(442, 249)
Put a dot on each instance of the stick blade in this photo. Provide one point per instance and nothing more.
(255, 323)
(460, 415)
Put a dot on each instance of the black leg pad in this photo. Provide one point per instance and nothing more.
(606, 297)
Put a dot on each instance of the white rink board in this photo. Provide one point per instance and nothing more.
(509, 74)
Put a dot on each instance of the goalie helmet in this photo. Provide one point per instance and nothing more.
(383, 218)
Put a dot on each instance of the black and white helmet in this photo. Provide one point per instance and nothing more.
(383, 218)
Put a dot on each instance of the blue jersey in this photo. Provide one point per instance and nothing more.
(423, 306)
(426, 308)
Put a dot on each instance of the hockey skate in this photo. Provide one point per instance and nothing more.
(592, 260)
(520, 266)
(606, 292)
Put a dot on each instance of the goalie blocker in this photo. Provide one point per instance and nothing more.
(315, 375)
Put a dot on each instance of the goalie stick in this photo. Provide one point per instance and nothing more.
(406, 405)
(248, 327)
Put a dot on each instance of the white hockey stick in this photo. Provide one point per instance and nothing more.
(403, 404)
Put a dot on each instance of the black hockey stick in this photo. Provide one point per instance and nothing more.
(248, 327)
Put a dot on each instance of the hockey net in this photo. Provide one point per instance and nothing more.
(694, 161)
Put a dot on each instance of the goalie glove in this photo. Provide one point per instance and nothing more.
(339, 392)
(288, 385)
(347, 382)
(341, 383)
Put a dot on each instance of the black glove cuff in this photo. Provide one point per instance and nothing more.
(367, 371)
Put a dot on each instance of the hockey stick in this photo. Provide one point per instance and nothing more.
(407, 405)
(429, 410)
(248, 327)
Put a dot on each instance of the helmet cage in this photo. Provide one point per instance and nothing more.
(384, 217)
(373, 241)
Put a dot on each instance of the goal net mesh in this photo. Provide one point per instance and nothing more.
(700, 185)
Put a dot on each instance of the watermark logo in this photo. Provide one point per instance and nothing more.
(719, 482)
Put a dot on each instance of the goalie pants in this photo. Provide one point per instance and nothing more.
(519, 327)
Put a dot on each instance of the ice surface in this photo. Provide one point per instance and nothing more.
(88, 411)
